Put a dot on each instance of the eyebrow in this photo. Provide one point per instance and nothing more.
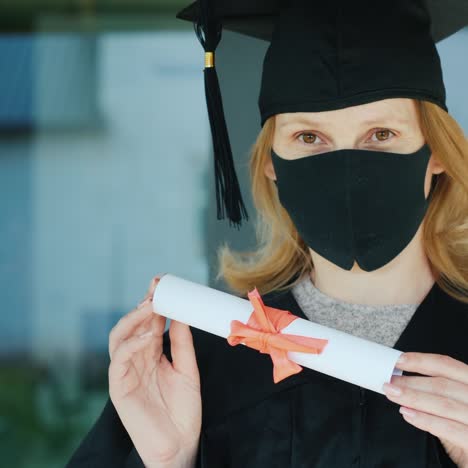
(379, 120)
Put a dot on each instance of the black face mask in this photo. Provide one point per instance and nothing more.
(354, 204)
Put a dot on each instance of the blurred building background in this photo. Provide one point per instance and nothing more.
(106, 179)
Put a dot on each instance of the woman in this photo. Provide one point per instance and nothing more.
(186, 398)
(159, 402)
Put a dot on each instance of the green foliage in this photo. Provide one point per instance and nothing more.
(38, 427)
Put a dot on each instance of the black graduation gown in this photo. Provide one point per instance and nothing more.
(308, 419)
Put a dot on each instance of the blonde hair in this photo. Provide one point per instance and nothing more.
(282, 253)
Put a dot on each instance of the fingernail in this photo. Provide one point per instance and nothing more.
(392, 389)
(154, 280)
(149, 333)
(401, 359)
(407, 412)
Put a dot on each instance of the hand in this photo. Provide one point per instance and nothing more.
(437, 404)
(158, 402)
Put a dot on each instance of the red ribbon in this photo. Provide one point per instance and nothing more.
(262, 332)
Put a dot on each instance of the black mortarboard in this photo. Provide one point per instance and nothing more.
(324, 55)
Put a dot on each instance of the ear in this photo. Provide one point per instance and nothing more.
(435, 166)
(270, 170)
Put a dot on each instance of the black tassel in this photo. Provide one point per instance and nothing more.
(228, 195)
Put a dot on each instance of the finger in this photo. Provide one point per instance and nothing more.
(145, 326)
(152, 286)
(430, 403)
(437, 365)
(182, 350)
(125, 326)
(437, 385)
(123, 355)
(455, 432)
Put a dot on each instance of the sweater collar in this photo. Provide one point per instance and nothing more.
(438, 324)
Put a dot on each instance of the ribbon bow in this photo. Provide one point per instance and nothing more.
(262, 332)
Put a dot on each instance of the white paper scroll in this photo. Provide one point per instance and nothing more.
(346, 357)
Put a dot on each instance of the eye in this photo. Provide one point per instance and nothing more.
(383, 134)
(310, 138)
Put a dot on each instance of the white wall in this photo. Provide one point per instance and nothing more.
(118, 203)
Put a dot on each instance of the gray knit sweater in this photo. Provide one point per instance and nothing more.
(381, 324)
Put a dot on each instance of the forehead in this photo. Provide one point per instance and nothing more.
(394, 110)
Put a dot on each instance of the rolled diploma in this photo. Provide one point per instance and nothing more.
(346, 357)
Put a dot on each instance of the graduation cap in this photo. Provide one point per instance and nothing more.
(323, 55)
